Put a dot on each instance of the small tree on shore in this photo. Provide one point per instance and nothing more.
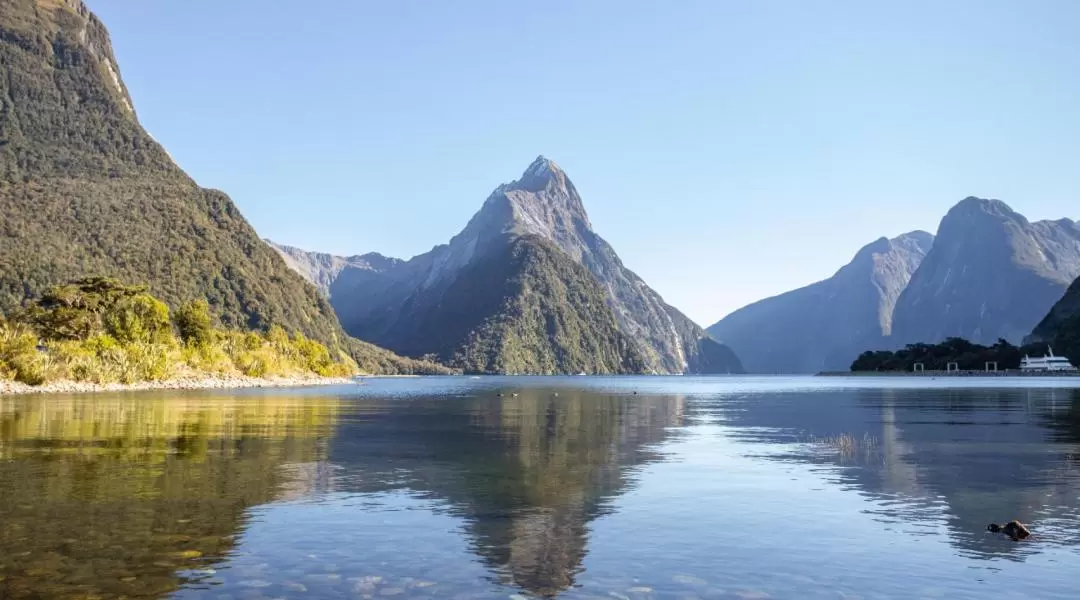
(194, 324)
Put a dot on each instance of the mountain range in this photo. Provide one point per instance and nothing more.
(526, 286)
(85, 191)
(988, 274)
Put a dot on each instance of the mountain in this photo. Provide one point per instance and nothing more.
(407, 306)
(1061, 327)
(824, 326)
(325, 270)
(85, 191)
(991, 274)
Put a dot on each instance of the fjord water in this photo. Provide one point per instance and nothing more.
(665, 487)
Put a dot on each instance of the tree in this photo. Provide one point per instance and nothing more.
(87, 307)
(194, 324)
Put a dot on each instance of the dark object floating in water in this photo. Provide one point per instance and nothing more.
(1013, 529)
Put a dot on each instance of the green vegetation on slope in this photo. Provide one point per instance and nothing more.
(1061, 327)
(522, 306)
(936, 357)
(100, 331)
(85, 191)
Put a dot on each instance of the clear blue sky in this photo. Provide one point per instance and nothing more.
(728, 150)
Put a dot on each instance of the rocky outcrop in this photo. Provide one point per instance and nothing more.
(825, 325)
(991, 274)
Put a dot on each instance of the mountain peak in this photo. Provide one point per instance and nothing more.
(990, 206)
(541, 166)
(542, 202)
(542, 173)
(918, 239)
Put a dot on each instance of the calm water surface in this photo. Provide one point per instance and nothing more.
(614, 488)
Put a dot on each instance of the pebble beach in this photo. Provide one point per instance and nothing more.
(182, 383)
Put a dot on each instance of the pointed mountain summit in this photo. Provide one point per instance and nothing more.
(530, 237)
(991, 274)
(824, 326)
(85, 191)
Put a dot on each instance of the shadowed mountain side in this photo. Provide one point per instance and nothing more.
(173, 479)
(522, 307)
(943, 461)
(1061, 327)
(826, 325)
(527, 474)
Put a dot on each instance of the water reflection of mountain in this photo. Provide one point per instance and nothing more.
(963, 457)
(119, 496)
(527, 474)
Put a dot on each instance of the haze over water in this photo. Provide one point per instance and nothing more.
(576, 487)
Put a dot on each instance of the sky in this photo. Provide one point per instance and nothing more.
(729, 151)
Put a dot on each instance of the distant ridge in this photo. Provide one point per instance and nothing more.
(988, 274)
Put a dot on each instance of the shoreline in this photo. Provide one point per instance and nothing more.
(935, 374)
(231, 382)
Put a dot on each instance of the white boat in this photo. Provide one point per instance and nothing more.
(1046, 363)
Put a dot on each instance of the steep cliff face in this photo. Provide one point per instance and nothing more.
(825, 325)
(544, 205)
(990, 274)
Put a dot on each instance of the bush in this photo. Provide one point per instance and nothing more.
(194, 324)
(208, 358)
(140, 318)
(20, 359)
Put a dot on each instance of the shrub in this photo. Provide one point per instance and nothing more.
(140, 318)
(100, 331)
(194, 324)
(20, 359)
